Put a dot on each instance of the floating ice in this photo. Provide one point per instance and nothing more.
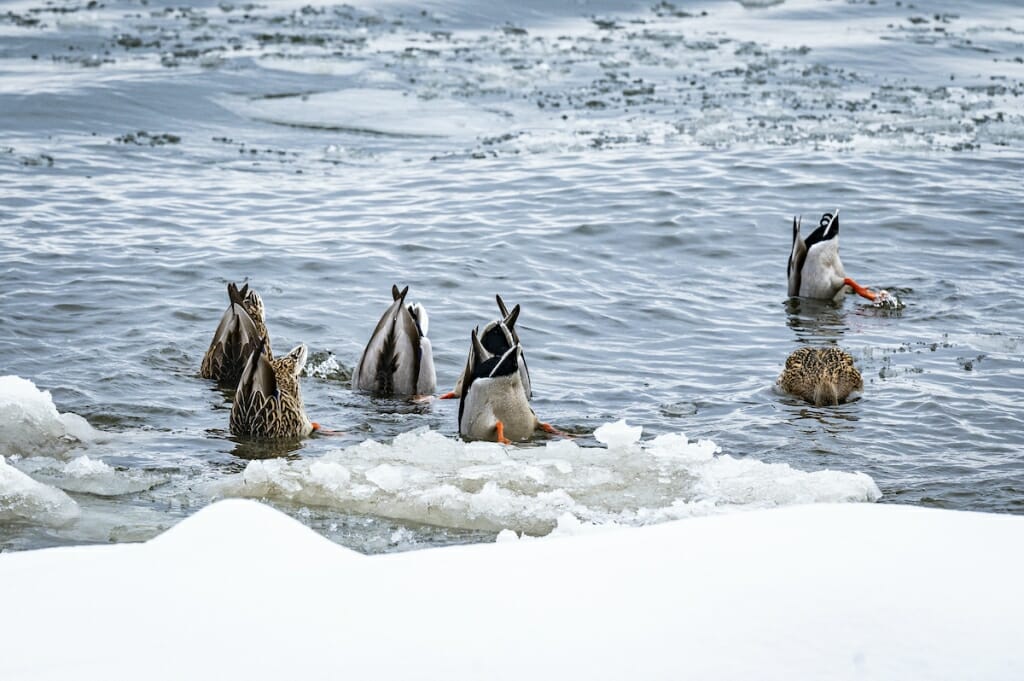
(618, 434)
(373, 111)
(31, 425)
(425, 477)
(22, 498)
(90, 476)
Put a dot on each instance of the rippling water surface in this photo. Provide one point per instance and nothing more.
(627, 172)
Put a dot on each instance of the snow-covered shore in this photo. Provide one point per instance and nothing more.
(239, 590)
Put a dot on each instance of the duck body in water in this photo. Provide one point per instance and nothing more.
(398, 360)
(814, 269)
(821, 376)
(268, 403)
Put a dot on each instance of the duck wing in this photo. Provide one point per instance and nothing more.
(390, 364)
(257, 394)
(797, 256)
(233, 342)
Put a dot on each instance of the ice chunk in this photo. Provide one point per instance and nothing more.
(30, 424)
(424, 477)
(618, 434)
(22, 498)
(90, 476)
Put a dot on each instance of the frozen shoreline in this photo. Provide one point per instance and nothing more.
(823, 591)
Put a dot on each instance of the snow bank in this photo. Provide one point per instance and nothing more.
(22, 498)
(31, 425)
(425, 477)
(833, 591)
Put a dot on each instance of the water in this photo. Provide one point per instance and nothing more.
(627, 172)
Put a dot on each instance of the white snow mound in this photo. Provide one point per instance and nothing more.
(833, 591)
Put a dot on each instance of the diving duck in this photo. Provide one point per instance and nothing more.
(398, 359)
(497, 338)
(815, 270)
(268, 403)
(241, 326)
(821, 376)
(494, 404)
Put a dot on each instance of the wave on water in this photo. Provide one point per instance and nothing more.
(30, 424)
(425, 477)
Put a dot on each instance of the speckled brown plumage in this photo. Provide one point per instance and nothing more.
(821, 376)
(241, 326)
(268, 403)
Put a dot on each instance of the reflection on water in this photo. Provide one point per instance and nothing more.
(265, 449)
(816, 321)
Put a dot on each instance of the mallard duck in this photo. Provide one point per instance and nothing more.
(494, 405)
(815, 270)
(241, 326)
(398, 359)
(268, 403)
(821, 376)
(497, 338)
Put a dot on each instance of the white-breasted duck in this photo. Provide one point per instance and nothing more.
(815, 270)
(497, 338)
(494, 405)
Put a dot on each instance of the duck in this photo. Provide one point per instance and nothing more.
(821, 376)
(268, 403)
(497, 338)
(494, 405)
(815, 270)
(241, 325)
(398, 360)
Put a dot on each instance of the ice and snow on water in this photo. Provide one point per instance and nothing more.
(90, 476)
(31, 425)
(425, 477)
(373, 111)
(22, 498)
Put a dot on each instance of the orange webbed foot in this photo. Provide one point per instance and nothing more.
(860, 290)
(500, 427)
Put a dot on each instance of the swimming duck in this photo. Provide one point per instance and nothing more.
(241, 325)
(268, 403)
(497, 338)
(398, 360)
(821, 376)
(815, 270)
(494, 404)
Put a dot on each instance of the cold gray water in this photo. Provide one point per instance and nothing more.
(626, 171)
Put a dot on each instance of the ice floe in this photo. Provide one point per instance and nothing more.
(425, 477)
(22, 498)
(31, 425)
(835, 591)
(90, 476)
(374, 111)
